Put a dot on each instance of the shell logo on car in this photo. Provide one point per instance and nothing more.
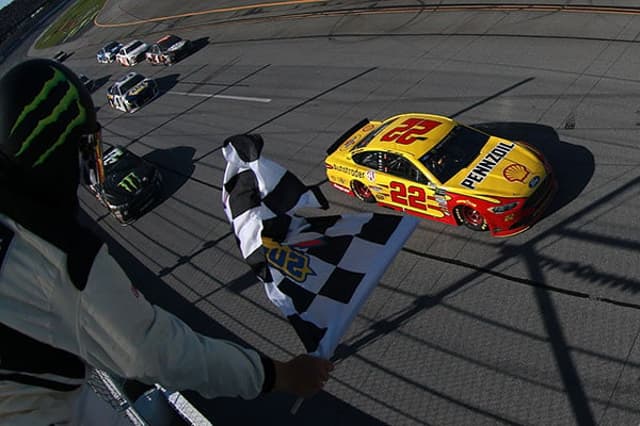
(515, 172)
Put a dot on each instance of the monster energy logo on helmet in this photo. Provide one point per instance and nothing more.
(56, 107)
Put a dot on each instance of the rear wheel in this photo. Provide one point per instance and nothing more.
(471, 218)
(362, 192)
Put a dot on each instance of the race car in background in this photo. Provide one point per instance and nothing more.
(130, 186)
(132, 53)
(168, 50)
(434, 167)
(61, 56)
(108, 53)
(131, 92)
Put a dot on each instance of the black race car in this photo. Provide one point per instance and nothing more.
(168, 50)
(131, 185)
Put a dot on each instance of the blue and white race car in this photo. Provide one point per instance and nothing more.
(108, 53)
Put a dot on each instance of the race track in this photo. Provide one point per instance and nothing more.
(463, 329)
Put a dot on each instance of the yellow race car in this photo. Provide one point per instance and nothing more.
(434, 167)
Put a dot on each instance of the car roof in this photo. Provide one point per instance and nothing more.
(132, 42)
(166, 37)
(126, 77)
(439, 127)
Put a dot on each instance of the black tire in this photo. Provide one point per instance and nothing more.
(471, 218)
(362, 192)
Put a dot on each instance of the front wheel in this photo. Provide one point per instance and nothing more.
(471, 218)
(362, 192)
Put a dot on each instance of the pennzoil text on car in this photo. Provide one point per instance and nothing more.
(434, 167)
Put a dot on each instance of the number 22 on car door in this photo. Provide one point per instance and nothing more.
(409, 196)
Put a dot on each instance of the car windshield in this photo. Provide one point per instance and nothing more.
(168, 41)
(110, 46)
(135, 45)
(130, 83)
(455, 152)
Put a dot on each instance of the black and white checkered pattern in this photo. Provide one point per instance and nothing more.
(317, 270)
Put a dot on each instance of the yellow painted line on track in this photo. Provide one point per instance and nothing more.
(206, 12)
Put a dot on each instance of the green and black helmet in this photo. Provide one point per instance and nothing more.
(46, 117)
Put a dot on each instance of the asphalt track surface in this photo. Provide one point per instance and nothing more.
(463, 329)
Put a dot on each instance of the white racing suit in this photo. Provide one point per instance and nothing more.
(50, 330)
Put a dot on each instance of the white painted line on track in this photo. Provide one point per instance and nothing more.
(199, 95)
(234, 98)
(243, 98)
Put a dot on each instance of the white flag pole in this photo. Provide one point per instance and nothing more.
(296, 405)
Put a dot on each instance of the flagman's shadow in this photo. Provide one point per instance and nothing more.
(573, 165)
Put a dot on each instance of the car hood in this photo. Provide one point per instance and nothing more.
(122, 184)
(503, 168)
(138, 88)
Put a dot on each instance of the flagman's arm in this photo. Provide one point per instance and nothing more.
(121, 332)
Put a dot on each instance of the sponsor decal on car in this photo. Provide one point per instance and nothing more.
(442, 199)
(348, 170)
(371, 175)
(515, 172)
(348, 144)
(130, 182)
(487, 164)
(137, 89)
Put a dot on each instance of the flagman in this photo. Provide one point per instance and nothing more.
(65, 304)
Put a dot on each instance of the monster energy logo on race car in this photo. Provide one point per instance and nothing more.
(130, 182)
(71, 96)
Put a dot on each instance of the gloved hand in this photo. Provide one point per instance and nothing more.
(303, 375)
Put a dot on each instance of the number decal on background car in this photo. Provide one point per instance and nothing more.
(412, 196)
(407, 132)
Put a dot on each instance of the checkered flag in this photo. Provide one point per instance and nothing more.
(317, 270)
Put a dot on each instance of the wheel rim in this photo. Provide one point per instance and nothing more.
(472, 216)
(362, 191)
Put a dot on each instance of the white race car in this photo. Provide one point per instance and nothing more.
(131, 92)
(132, 53)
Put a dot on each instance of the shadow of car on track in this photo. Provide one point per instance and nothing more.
(166, 83)
(573, 165)
(100, 82)
(198, 44)
(176, 165)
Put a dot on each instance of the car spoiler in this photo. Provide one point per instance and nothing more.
(346, 135)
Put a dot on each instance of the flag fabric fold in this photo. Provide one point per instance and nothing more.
(318, 270)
